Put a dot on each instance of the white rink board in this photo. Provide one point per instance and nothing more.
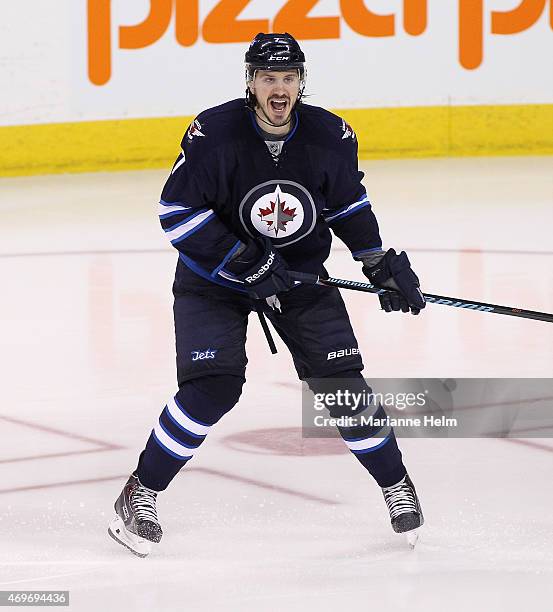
(43, 46)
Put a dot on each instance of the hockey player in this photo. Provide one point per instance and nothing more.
(254, 195)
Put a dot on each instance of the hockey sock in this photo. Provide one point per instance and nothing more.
(376, 450)
(373, 445)
(183, 426)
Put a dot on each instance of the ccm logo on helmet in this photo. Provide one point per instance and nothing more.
(263, 269)
(342, 353)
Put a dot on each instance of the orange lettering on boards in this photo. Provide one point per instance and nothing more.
(471, 31)
(99, 41)
(136, 36)
(415, 16)
(223, 25)
(519, 19)
(471, 37)
(187, 18)
(293, 17)
(150, 30)
(363, 21)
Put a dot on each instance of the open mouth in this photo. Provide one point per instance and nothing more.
(278, 105)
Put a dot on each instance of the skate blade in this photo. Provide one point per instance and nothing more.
(137, 545)
(412, 538)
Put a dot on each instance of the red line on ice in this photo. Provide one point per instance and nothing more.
(59, 432)
(267, 485)
(242, 479)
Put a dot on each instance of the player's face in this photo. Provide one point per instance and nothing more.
(276, 94)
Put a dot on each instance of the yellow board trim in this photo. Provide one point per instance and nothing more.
(433, 131)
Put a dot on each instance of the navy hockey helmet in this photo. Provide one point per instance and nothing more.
(275, 52)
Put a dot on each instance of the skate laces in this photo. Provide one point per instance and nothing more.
(143, 503)
(400, 498)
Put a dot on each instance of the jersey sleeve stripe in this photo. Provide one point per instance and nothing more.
(164, 203)
(365, 251)
(167, 210)
(186, 228)
(187, 219)
(345, 211)
(195, 267)
(173, 220)
(230, 277)
(361, 200)
(226, 258)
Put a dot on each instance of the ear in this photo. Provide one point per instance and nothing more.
(251, 87)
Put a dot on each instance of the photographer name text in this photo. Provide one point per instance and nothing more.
(362, 420)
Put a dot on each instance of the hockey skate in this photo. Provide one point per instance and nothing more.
(135, 525)
(404, 508)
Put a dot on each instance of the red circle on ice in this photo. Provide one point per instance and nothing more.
(289, 441)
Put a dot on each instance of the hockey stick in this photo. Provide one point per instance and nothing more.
(266, 330)
(313, 279)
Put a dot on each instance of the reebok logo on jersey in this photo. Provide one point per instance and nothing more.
(342, 353)
(262, 270)
(207, 354)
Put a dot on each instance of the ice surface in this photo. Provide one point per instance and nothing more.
(262, 519)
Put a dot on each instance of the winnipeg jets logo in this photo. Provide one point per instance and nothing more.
(195, 129)
(282, 210)
(347, 131)
(277, 214)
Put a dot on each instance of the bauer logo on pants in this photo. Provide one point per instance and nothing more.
(343, 353)
(283, 211)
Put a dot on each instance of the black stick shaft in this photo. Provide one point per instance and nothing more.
(431, 298)
(266, 331)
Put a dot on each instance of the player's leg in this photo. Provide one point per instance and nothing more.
(211, 362)
(373, 443)
(315, 326)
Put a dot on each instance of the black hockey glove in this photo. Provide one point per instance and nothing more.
(261, 269)
(393, 271)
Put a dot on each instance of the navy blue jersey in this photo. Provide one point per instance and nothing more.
(227, 188)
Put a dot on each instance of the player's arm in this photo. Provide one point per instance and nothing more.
(349, 212)
(350, 216)
(187, 216)
(205, 244)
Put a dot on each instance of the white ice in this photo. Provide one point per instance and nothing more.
(262, 519)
